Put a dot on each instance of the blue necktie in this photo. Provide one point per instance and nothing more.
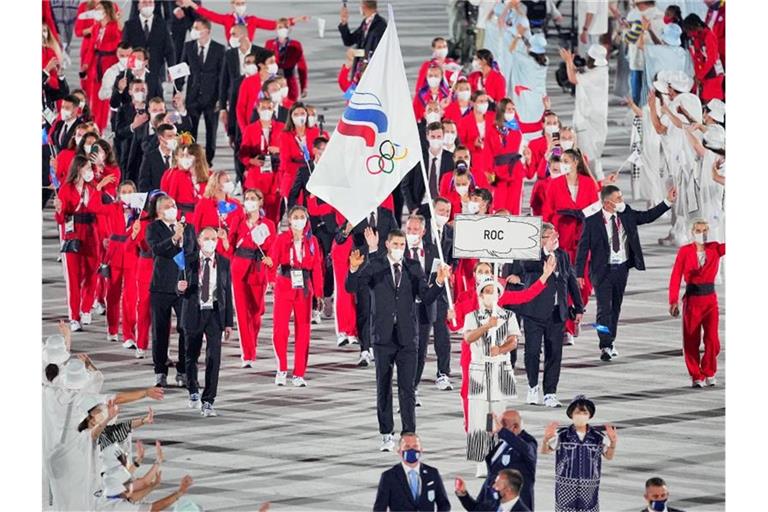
(413, 478)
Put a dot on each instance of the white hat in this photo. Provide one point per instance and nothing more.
(487, 281)
(716, 109)
(691, 103)
(714, 137)
(88, 401)
(538, 44)
(55, 350)
(680, 82)
(75, 374)
(186, 505)
(671, 34)
(599, 54)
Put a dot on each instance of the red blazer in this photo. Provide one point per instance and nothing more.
(86, 46)
(206, 214)
(312, 260)
(704, 52)
(343, 79)
(468, 134)
(252, 146)
(290, 61)
(292, 157)
(106, 44)
(63, 162)
(453, 112)
(122, 250)
(48, 54)
(85, 228)
(247, 99)
(687, 267)
(495, 85)
(108, 170)
(448, 190)
(421, 79)
(178, 184)
(559, 198)
(538, 147)
(245, 269)
(718, 28)
(230, 19)
(423, 97)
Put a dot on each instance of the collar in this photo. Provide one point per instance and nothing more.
(369, 19)
(438, 155)
(243, 54)
(607, 215)
(201, 45)
(408, 469)
(212, 257)
(507, 505)
(149, 18)
(650, 510)
(392, 262)
(546, 252)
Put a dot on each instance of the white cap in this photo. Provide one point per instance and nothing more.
(714, 137)
(488, 281)
(538, 44)
(691, 103)
(55, 350)
(599, 54)
(88, 401)
(716, 109)
(75, 374)
(680, 82)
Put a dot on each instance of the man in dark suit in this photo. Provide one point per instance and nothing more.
(395, 283)
(507, 485)
(611, 241)
(64, 127)
(438, 162)
(544, 317)
(157, 161)
(367, 35)
(657, 495)
(166, 237)
(205, 58)
(382, 222)
(206, 310)
(411, 485)
(149, 30)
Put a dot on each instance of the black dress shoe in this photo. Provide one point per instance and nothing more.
(161, 381)
(181, 380)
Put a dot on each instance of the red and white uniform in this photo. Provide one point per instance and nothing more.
(249, 282)
(144, 266)
(247, 100)
(508, 187)
(104, 54)
(707, 66)
(180, 184)
(456, 113)
(292, 156)
(700, 309)
(447, 67)
(63, 162)
(122, 256)
(469, 133)
(304, 257)
(256, 141)
(424, 96)
(715, 20)
(447, 189)
(207, 215)
(86, 46)
(231, 19)
(495, 85)
(290, 58)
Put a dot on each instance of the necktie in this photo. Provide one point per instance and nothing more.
(62, 134)
(372, 221)
(201, 55)
(413, 480)
(398, 274)
(146, 30)
(205, 291)
(433, 178)
(167, 160)
(615, 245)
(366, 27)
(415, 253)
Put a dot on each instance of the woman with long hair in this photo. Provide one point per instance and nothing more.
(186, 182)
(106, 34)
(296, 143)
(504, 141)
(260, 154)
(218, 207)
(474, 130)
(51, 51)
(486, 76)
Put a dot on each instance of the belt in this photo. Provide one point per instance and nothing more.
(146, 254)
(285, 271)
(617, 266)
(104, 53)
(83, 218)
(186, 207)
(251, 254)
(118, 238)
(699, 289)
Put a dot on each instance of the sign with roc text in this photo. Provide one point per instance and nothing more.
(497, 237)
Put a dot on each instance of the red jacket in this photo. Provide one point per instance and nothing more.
(122, 250)
(252, 146)
(292, 157)
(247, 100)
(86, 46)
(468, 134)
(290, 60)
(509, 177)
(344, 79)
(715, 20)
(229, 20)
(282, 253)
(705, 55)
(178, 184)
(448, 191)
(687, 267)
(559, 198)
(207, 214)
(247, 269)
(84, 210)
(421, 79)
(63, 162)
(105, 41)
(453, 112)
(495, 85)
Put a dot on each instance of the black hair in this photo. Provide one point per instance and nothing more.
(486, 55)
(437, 125)
(51, 371)
(164, 127)
(83, 425)
(318, 141)
(72, 99)
(692, 22)
(152, 205)
(263, 56)
(395, 233)
(655, 481)
(124, 45)
(483, 194)
(289, 126)
(513, 478)
(608, 191)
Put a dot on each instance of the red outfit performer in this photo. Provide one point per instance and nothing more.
(261, 163)
(251, 242)
(492, 82)
(715, 20)
(233, 18)
(707, 67)
(698, 263)
(473, 131)
(207, 214)
(344, 302)
(247, 97)
(290, 58)
(85, 29)
(508, 171)
(144, 267)
(106, 36)
(298, 261)
(295, 148)
(186, 183)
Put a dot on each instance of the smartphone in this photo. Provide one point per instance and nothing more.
(556, 137)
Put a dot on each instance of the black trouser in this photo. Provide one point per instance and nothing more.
(363, 310)
(47, 192)
(610, 294)
(162, 304)
(325, 238)
(233, 132)
(423, 334)
(442, 339)
(405, 358)
(211, 119)
(399, 202)
(210, 326)
(551, 332)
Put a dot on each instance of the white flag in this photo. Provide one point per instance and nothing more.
(376, 141)
(178, 71)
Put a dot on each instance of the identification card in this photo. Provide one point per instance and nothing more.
(297, 279)
(267, 167)
(69, 226)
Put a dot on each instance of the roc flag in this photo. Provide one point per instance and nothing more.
(376, 141)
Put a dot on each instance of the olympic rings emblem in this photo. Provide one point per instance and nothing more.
(377, 164)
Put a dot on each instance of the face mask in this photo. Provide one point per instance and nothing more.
(433, 81)
(123, 61)
(440, 53)
(139, 96)
(566, 144)
(441, 220)
(234, 42)
(250, 69)
(99, 15)
(147, 11)
(186, 162)
(551, 128)
(265, 115)
(311, 121)
(658, 505)
(473, 207)
(668, 20)
(411, 456)
(449, 138)
(436, 143)
(482, 108)
(283, 90)
(397, 254)
(170, 214)
(475, 65)
(88, 176)
(699, 238)
(171, 144)
(209, 246)
(125, 198)
(240, 9)
(413, 240)
(299, 120)
(565, 168)
(620, 207)
(87, 148)
(282, 33)
(432, 117)
(298, 224)
(272, 69)
(228, 187)
(138, 65)
(489, 300)
(66, 115)
(78, 139)
(556, 245)
(462, 189)
(580, 420)
(463, 95)
(276, 97)
(251, 205)
(194, 34)
(509, 116)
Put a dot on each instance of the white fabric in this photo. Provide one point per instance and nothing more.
(109, 79)
(590, 116)
(650, 185)
(666, 58)
(599, 9)
(656, 17)
(619, 256)
(523, 71)
(74, 467)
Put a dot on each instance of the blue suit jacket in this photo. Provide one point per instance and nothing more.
(394, 492)
(520, 454)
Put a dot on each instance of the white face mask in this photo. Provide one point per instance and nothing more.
(397, 254)
(463, 95)
(299, 120)
(138, 65)
(78, 139)
(66, 115)
(209, 246)
(194, 34)
(433, 81)
(282, 34)
(473, 207)
(283, 90)
(436, 144)
(240, 9)
(272, 69)
(171, 144)
(298, 224)
(440, 53)
(277, 97)
(250, 69)
(251, 205)
(123, 61)
(449, 138)
(311, 121)
(228, 187)
(139, 96)
(509, 116)
(620, 207)
(234, 42)
(99, 15)
(441, 220)
(87, 148)
(432, 117)
(413, 240)
(699, 238)
(462, 190)
(265, 115)
(88, 176)
(186, 162)
(489, 300)
(580, 420)
(125, 198)
(566, 144)
(170, 214)
(147, 11)
(476, 65)
(481, 107)
(551, 128)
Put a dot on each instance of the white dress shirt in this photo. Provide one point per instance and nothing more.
(507, 505)
(149, 20)
(205, 48)
(211, 280)
(621, 255)
(241, 58)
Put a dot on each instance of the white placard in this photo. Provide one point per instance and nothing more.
(137, 200)
(178, 71)
(497, 237)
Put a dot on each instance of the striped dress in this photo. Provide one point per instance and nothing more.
(491, 378)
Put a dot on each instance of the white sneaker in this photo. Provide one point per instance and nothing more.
(614, 352)
(710, 381)
(353, 340)
(194, 401)
(552, 401)
(85, 318)
(247, 364)
(482, 470)
(207, 410)
(341, 339)
(98, 308)
(387, 443)
(298, 382)
(365, 358)
(418, 399)
(111, 337)
(281, 378)
(140, 354)
(533, 395)
(316, 317)
(443, 383)
(698, 383)
(128, 343)
(568, 339)
(75, 326)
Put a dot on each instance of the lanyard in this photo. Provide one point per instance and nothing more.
(303, 148)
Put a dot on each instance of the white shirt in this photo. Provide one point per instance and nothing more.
(621, 255)
(211, 280)
(241, 58)
(392, 263)
(656, 17)
(149, 20)
(599, 11)
(481, 129)
(420, 255)
(702, 256)
(205, 48)
(507, 505)
(297, 252)
(109, 80)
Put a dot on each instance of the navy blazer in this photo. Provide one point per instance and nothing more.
(385, 222)
(203, 81)
(473, 505)
(190, 308)
(594, 241)
(394, 492)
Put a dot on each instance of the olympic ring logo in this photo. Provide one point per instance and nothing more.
(387, 153)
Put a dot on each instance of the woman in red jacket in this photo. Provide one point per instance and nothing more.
(457, 186)
(260, 153)
(77, 207)
(85, 28)
(537, 158)
(461, 106)
(436, 89)
(473, 131)
(105, 35)
(486, 77)
(290, 58)
(251, 242)
(705, 53)
(87, 131)
(507, 171)
(237, 15)
(186, 183)
(298, 288)
(51, 50)
(296, 142)
(217, 208)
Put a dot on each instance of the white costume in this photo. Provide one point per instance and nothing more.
(590, 116)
